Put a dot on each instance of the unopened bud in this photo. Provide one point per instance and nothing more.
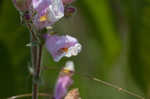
(22, 5)
(69, 11)
(66, 2)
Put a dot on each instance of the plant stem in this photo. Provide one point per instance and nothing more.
(39, 61)
(28, 95)
(34, 59)
(34, 38)
(33, 48)
(34, 91)
(34, 62)
(37, 73)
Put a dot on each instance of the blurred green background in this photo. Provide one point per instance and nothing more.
(116, 48)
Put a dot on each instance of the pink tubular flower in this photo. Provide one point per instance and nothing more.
(22, 5)
(64, 81)
(61, 86)
(60, 46)
(48, 12)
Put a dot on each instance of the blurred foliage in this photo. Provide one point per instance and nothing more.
(115, 37)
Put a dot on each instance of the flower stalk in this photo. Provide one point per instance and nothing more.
(37, 16)
(29, 95)
(37, 70)
(36, 52)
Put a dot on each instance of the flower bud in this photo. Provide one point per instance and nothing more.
(66, 2)
(22, 5)
(69, 11)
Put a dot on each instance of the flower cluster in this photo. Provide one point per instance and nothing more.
(39, 15)
(45, 13)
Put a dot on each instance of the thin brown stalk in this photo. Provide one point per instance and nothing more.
(33, 48)
(113, 86)
(28, 95)
(39, 61)
(34, 61)
(32, 31)
(37, 74)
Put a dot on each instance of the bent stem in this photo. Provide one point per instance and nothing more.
(28, 95)
(113, 86)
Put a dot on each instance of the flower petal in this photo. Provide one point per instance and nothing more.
(48, 12)
(62, 46)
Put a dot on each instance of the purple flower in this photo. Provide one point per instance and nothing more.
(60, 46)
(64, 81)
(61, 86)
(22, 5)
(40, 5)
(48, 12)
